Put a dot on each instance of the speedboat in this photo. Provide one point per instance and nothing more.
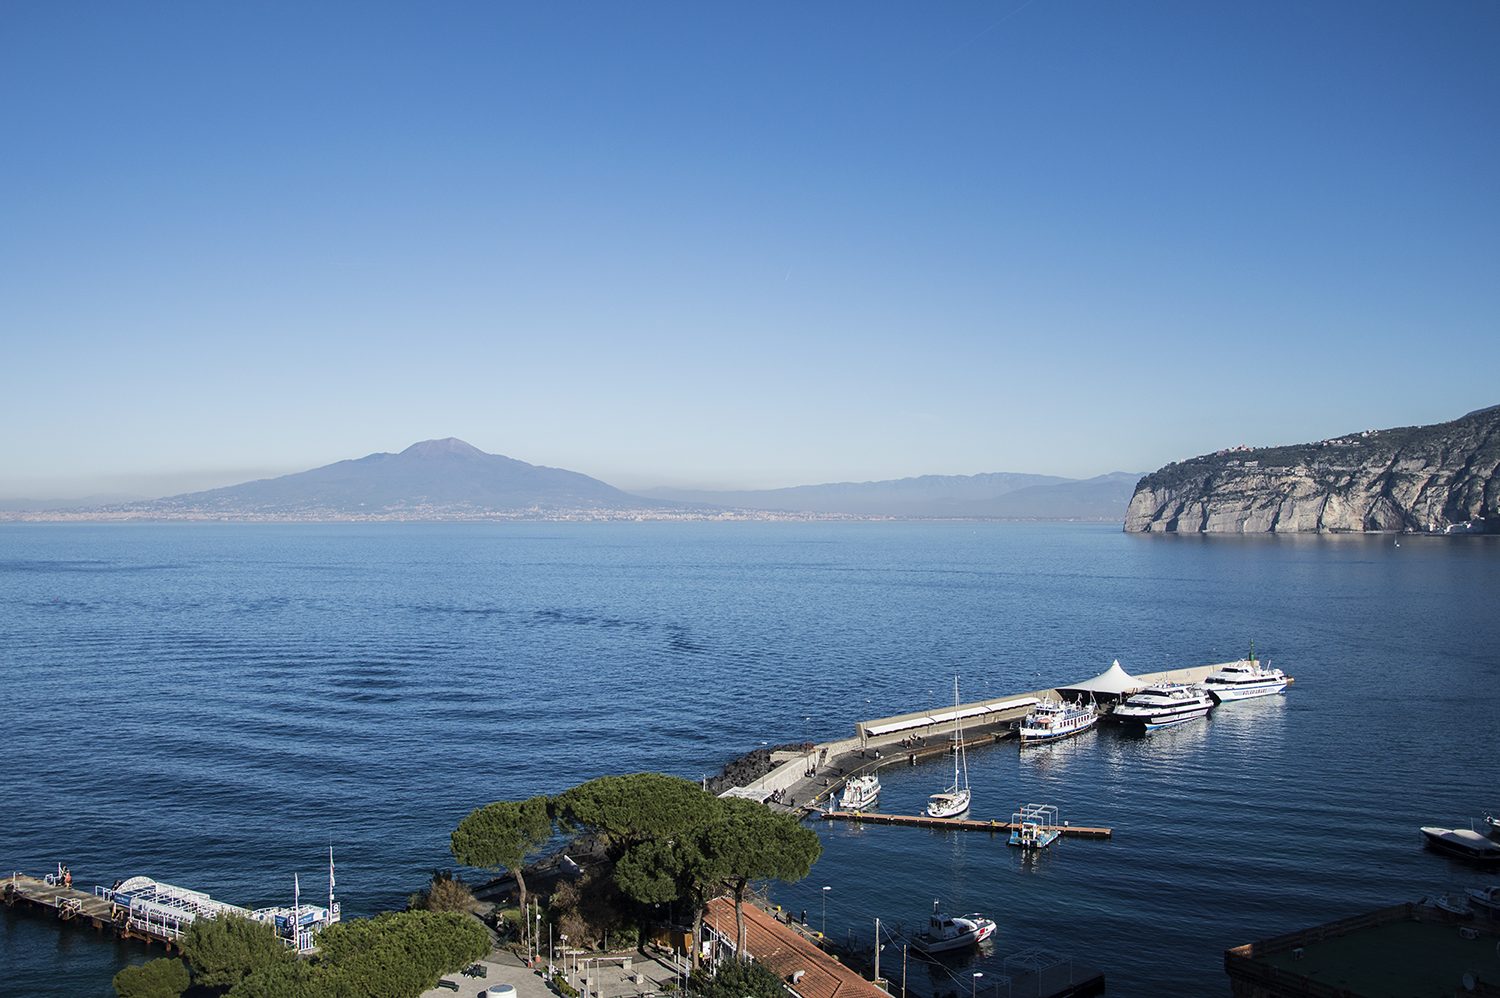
(860, 793)
(1054, 720)
(1245, 679)
(951, 932)
(1487, 898)
(1163, 704)
(1462, 842)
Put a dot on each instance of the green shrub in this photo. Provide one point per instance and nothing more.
(561, 985)
(163, 978)
(224, 951)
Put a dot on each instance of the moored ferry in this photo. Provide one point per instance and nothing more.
(1245, 679)
(1054, 720)
(1164, 704)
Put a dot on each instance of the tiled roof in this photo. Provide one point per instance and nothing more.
(783, 951)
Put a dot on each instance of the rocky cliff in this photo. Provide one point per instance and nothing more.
(1421, 478)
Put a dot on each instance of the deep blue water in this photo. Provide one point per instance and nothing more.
(211, 705)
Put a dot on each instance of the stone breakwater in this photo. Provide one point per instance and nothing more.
(1421, 478)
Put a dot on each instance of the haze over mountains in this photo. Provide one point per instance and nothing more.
(450, 479)
(1005, 495)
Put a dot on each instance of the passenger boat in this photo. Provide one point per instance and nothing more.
(1164, 704)
(954, 801)
(1245, 679)
(1486, 898)
(951, 932)
(1054, 720)
(860, 793)
(1462, 842)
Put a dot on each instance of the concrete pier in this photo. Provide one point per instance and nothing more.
(811, 779)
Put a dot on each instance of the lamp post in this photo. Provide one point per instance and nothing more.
(824, 933)
(974, 986)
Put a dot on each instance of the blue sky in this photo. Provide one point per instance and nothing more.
(750, 245)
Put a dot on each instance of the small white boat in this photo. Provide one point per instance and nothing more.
(1462, 842)
(1486, 898)
(1164, 704)
(951, 932)
(954, 801)
(1492, 826)
(860, 793)
(1054, 720)
(1453, 904)
(1245, 679)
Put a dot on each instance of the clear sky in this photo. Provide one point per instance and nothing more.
(736, 245)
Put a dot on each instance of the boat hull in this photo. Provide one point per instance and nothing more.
(1161, 719)
(1041, 736)
(1247, 691)
(1477, 849)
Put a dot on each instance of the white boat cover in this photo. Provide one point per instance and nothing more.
(1113, 681)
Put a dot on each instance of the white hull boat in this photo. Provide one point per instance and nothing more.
(1462, 842)
(1245, 680)
(1053, 720)
(1164, 705)
(954, 801)
(946, 933)
(1486, 899)
(860, 794)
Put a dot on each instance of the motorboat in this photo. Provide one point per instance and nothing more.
(951, 932)
(953, 802)
(860, 793)
(1455, 905)
(1492, 826)
(1245, 679)
(1054, 720)
(1462, 842)
(1164, 704)
(1485, 898)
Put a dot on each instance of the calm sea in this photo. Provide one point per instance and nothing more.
(214, 705)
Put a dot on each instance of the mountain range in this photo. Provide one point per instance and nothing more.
(450, 479)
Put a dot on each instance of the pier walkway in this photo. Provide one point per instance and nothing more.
(958, 824)
(811, 780)
(67, 904)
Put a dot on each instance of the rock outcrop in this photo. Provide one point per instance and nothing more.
(1419, 478)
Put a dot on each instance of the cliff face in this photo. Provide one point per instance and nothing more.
(1416, 477)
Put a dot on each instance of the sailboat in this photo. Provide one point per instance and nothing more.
(954, 801)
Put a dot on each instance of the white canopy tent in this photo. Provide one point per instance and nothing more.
(1112, 683)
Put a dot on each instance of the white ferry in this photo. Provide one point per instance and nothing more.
(1053, 720)
(1245, 679)
(860, 793)
(1164, 704)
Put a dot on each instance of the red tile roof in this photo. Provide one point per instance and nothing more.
(783, 950)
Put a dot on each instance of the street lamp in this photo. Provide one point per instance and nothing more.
(825, 911)
(975, 985)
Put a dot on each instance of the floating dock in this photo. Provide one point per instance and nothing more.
(958, 824)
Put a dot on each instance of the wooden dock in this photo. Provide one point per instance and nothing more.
(69, 904)
(958, 824)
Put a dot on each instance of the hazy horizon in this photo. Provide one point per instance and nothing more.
(736, 248)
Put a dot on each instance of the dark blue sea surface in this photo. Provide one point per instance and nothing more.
(213, 705)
